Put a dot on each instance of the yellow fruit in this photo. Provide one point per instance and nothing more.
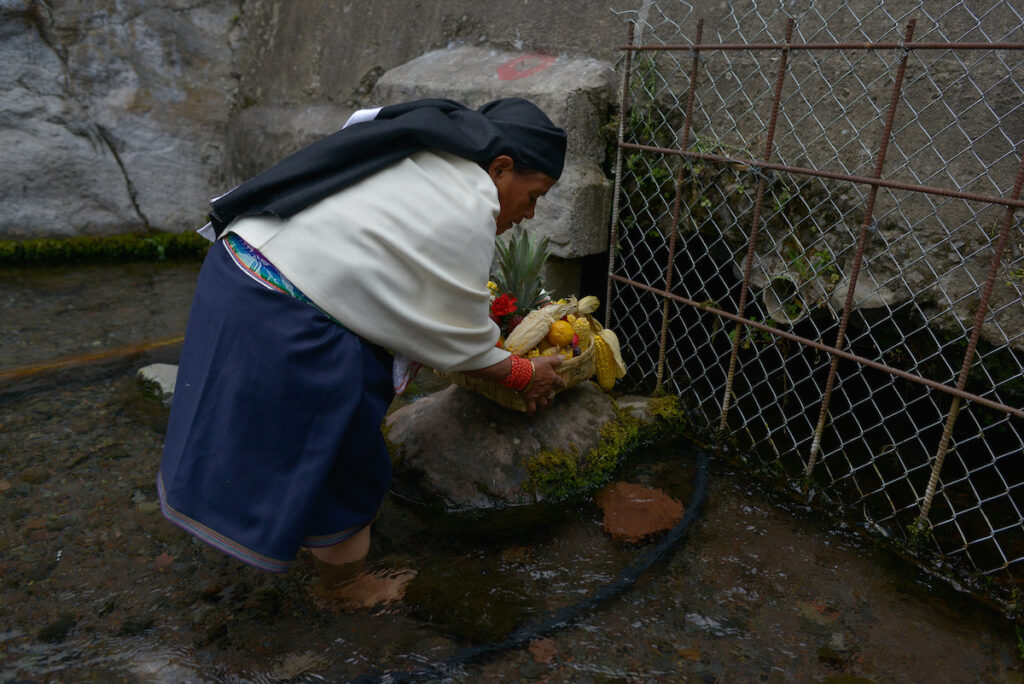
(582, 328)
(566, 352)
(604, 363)
(560, 333)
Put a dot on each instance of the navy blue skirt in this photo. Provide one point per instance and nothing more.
(274, 437)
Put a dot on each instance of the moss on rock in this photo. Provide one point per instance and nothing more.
(103, 248)
(560, 474)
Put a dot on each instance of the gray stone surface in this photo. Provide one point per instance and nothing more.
(462, 451)
(159, 379)
(113, 113)
(576, 92)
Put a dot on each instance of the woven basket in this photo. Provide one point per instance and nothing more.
(574, 371)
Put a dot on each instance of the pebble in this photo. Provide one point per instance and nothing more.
(34, 475)
(58, 630)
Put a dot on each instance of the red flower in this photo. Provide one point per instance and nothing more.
(503, 305)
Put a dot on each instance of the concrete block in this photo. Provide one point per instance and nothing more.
(576, 92)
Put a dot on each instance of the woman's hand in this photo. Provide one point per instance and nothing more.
(541, 392)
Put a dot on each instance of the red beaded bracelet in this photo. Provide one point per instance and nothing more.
(521, 375)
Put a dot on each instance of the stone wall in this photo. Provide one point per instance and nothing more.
(121, 115)
(113, 114)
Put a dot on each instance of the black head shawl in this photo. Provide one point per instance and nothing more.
(510, 126)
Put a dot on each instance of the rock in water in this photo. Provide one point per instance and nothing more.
(159, 379)
(633, 512)
(463, 451)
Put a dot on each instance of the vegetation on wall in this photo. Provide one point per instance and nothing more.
(103, 248)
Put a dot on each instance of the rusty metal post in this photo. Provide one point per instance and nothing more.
(677, 207)
(965, 367)
(869, 212)
(613, 233)
(755, 225)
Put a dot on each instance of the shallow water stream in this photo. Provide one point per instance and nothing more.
(96, 586)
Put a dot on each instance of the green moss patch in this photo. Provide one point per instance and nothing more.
(104, 248)
(561, 474)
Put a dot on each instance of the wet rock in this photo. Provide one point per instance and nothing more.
(633, 512)
(112, 450)
(37, 572)
(34, 475)
(57, 630)
(467, 452)
(216, 632)
(692, 654)
(108, 606)
(135, 626)
(543, 650)
(293, 665)
(816, 615)
(265, 602)
(636, 406)
(58, 524)
(158, 379)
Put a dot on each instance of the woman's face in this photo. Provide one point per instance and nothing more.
(517, 192)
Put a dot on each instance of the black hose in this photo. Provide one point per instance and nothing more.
(563, 617)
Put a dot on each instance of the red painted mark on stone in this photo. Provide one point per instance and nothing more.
(524, 65)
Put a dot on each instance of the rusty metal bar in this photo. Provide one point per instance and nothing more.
(924, 45)
(743, 164)
(917, 379)
(676, 210)
(755, 221)
(965, 368)
(862, 239)
(613, 238)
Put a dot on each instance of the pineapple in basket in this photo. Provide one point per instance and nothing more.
(518, 274)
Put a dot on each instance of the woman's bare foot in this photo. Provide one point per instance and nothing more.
(367, 589)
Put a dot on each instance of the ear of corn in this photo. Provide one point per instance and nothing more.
(532, 330)
(582, 328)
(610, 339)
(587, 305)
(559, 308)
(604, 364)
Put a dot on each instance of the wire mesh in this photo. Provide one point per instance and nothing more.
(817, 243)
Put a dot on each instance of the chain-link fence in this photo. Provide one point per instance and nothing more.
(818, 244)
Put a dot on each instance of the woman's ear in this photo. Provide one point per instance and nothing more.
(500, 165)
